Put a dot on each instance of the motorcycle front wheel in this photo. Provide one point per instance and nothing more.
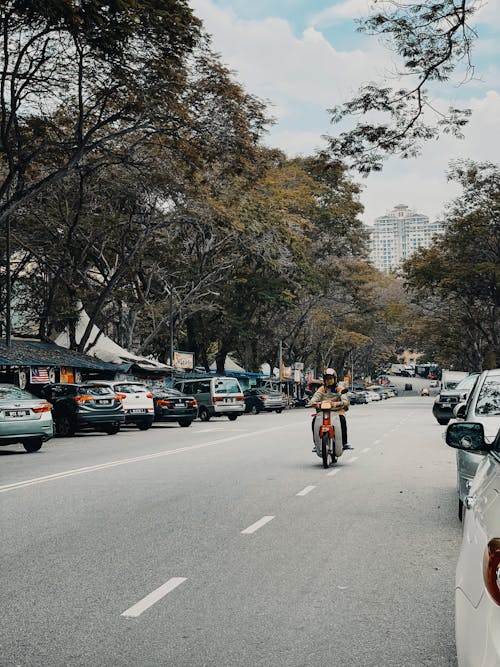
(325, 441)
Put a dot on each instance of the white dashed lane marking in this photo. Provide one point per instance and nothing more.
(305, 491)
(258, 524)
(151, 599)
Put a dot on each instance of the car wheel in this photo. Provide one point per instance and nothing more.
(111, 429)
(65, 426)
(254, 410)
(143, 426)
(443, 422)
(232, 418)
(460, 509)
(279, 411)
(185, 422)
(204, 414)
(33, 444)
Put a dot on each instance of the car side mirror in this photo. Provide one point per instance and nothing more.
(468, 436)
(459, 411)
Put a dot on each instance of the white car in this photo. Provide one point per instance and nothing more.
(477, 582)
(482, 406)
(372, 395)
(136, 398)
(434, 383)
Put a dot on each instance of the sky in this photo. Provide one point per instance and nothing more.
(305, 56)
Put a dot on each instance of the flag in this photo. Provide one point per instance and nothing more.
(39, 375)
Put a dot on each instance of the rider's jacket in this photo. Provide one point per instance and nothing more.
(328, 394)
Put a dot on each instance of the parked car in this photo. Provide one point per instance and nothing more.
(393, 388)
(433, 384)
(264, 400)
(447, 399)
(357, 397)
(77, 407)
(381, 391)
(477, 581)
(372, 395)
(136, 398)
(173, 406)
(216, 396)
(24, 418)
(483, 407)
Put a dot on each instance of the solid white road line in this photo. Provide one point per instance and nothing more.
(354, 458)
(135, 459)
(305, 491)
(258, 524)
(333, 472)
(137, 609)
(366, 449)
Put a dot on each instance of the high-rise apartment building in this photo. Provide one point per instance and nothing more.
(396, 235)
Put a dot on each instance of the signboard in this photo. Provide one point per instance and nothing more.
(183, 360)
(66, 374)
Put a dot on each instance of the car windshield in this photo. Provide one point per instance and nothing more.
(9, 393)
(227, 386)
(467, 382)
(95, 390)
(488, 401)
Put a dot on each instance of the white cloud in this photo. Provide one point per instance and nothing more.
(350, 9)
(302, 76)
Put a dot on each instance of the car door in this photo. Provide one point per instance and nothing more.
(479, 524)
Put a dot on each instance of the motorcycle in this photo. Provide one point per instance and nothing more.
(327, 432)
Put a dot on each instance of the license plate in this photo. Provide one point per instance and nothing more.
(228, 400)
(103, 402)
(137, 412)
(16, 413)
(180, 405)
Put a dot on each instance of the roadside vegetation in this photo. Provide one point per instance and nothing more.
(134, 181)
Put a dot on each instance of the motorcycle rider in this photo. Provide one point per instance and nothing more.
(330, 390)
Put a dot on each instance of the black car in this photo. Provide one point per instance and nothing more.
(77, 407)
(264, 400)
(172, 405)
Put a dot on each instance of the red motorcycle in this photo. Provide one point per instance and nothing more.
(327, 432)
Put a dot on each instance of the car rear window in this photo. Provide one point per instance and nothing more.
(227, 387)
(15, 393)
(488, 401)
(95, 390)
(130, 388)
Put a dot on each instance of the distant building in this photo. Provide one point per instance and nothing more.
(396, 235)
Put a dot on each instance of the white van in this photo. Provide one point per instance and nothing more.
(216, 396)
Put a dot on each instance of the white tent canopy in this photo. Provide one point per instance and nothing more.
(106, 349)
(229, 365)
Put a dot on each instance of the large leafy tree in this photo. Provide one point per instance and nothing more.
(430, 40)
(457, 280)
(76, 78)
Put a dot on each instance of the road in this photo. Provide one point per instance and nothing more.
(227, 544)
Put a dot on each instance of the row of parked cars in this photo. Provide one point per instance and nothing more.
(363, 395)
(106, 405)
(475, 434)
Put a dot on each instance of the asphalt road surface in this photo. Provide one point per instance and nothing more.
(227, 544)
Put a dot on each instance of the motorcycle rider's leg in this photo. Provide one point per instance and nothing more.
(343, 426)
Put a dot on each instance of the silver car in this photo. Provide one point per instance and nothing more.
(24, 418)
(477, 581)
(482, 407)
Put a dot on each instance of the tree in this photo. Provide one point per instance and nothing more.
(457, 279)
(77, 78)
(431, 40)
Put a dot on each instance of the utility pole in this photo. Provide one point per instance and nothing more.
(172, 335)
(280, 362)
(8, 295)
